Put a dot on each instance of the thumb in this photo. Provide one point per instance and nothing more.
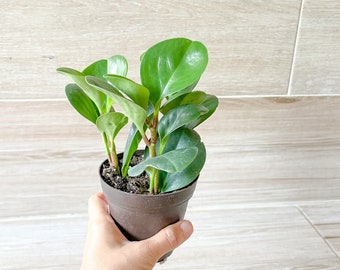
(168, 239)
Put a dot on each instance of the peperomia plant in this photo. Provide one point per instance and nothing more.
(163, 110)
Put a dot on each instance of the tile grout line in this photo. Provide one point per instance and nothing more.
(317, 231)
(220, 97)
(40, 217)
(292, 69)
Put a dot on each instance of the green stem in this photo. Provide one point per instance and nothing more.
(111, 153)
(162, 145)
(156, 182)
(152, 184)
(146, 140)
(152, 146)
(154, 174)
(107, 149)
(114, 158)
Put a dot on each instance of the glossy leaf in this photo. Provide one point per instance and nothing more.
(211, 103)
(163, 110)
(81, 102)
(172, 65)
(179, 117)
(174, 181)
(97, 69)
(117, 65)
(131, 146)
(138, 93)
(133, 111)
(186, 90)
(196, 97)
(172, 161)
(79, 78)
(180, 139)
(132, 143)
(111, 123)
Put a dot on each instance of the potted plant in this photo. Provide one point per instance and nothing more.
(147, 189)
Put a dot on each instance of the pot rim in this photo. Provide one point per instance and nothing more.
(145, 195)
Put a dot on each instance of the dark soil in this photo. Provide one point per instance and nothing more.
(136, 185)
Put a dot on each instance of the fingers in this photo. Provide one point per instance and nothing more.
(104, 229)
(167, 239)
(101, 222)
(97, 205)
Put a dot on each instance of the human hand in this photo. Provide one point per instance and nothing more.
(107, 248)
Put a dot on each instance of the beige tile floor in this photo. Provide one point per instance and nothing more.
(268, 197)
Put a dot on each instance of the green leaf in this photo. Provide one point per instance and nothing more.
(131, 146)
(97, 69)
(181, 139)
(81, 102)
(174, 181)
(79, 78)
(172, 161)
(172, 65)
(133, 111)
(138, 93)
(117, 65)
(196, 97)
(210, 103)
(111, 123)
(179, 117)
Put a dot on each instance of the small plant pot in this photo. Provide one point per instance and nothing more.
(142, 216)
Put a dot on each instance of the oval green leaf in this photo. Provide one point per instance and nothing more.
(210, 103)
(79, 78)
(138, 93)
(196, 97)
(133, 111)
(111, 123)
(131, 146)
(117, 65)
(81, 102)
(97, 69)
(183, 138)
(173, 161)
(179, 117)
(172, 65)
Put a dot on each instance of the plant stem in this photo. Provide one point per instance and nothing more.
(114, 158)
(153, 172)
(112, 155)
(152, 184)
(156, 182)
(154, 175)
(153, 143)
(162, 145)
(107, 149)
(146, 140)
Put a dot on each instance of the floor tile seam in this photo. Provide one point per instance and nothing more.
(295, 50)
(221, 97)
(317, 231)
(331, 237)
(40, 217)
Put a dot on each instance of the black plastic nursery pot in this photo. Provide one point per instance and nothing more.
(141, 216)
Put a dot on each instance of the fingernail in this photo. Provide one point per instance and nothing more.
(186, 228)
